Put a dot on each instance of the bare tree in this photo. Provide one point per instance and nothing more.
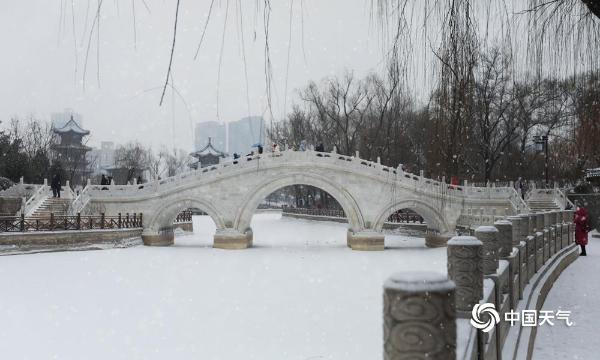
(133, 157)
(495, 126)
(175, 161)
(340, 109)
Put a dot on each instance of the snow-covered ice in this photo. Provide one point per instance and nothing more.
(576, 290)
(299, 293)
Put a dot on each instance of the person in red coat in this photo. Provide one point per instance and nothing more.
(581, 228)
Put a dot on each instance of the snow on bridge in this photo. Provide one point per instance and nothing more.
(230, 193)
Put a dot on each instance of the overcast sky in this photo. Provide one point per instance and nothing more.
(43, 58)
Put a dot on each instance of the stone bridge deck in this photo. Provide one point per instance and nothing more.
(230, 193)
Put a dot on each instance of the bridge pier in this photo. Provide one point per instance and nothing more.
(232, 239)
(368, 240)
(163, 237)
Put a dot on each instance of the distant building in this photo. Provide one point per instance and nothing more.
(100, 160)
(213, 130)
(69, 152)
(245, 133)
(60, 119)
(207, 156)
(240, 138)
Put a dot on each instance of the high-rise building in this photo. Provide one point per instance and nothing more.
(102, 158)
(245, 133)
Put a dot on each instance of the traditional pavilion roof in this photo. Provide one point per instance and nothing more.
(209, 149)
(71, 125)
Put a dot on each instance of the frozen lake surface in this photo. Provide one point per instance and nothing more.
(299, 294)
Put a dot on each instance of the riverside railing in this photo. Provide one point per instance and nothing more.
(69, 222)
(183, 217)
(504, 267)
(397, 217)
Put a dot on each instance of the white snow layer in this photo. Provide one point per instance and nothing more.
(298, 294)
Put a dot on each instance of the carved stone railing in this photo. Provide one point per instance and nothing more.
(80, 201)
(35, 200)
(507, 267)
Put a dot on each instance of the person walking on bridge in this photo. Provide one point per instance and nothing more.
(520, 187)
(55, 186)
(582, 227)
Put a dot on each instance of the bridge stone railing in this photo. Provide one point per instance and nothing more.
(489, 197)
(501, 266)
(554, 195)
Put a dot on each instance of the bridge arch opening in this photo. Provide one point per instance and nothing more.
(404, 228)
(411, 209)
(163, 222)
(294, 213)
(194, 227)
(262, 191)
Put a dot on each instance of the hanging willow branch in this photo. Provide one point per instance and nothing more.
(172, 52)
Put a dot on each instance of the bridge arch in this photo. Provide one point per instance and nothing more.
(345, 199)
(434, 218)
(164, 216)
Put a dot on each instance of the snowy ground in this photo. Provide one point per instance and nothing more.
(299, 294)
(576, 290)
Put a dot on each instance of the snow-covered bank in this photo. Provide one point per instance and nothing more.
(300, 293)
(576, 290)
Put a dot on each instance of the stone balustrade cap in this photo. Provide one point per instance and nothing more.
(419, 281)
(465, 241)
(486, 229)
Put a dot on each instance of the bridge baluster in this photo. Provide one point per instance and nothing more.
(465, 268)
(419, 317)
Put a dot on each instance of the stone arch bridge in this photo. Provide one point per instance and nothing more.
(230, 193)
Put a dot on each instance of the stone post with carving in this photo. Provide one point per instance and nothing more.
(547, 235)
(465, 268)
(519, 242)
(488, 236)
(532, 221)
(568, 217)
(419, 317)
(516, 229)
(557, 230)
(504, 238)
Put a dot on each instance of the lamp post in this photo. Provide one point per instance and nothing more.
(541, 144)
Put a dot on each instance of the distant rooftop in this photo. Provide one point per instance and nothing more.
(70, 126)
(209, 149)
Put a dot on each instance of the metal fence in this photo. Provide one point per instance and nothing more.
(69, 222)
(315, 212)
(183, 217)
(397, 217)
